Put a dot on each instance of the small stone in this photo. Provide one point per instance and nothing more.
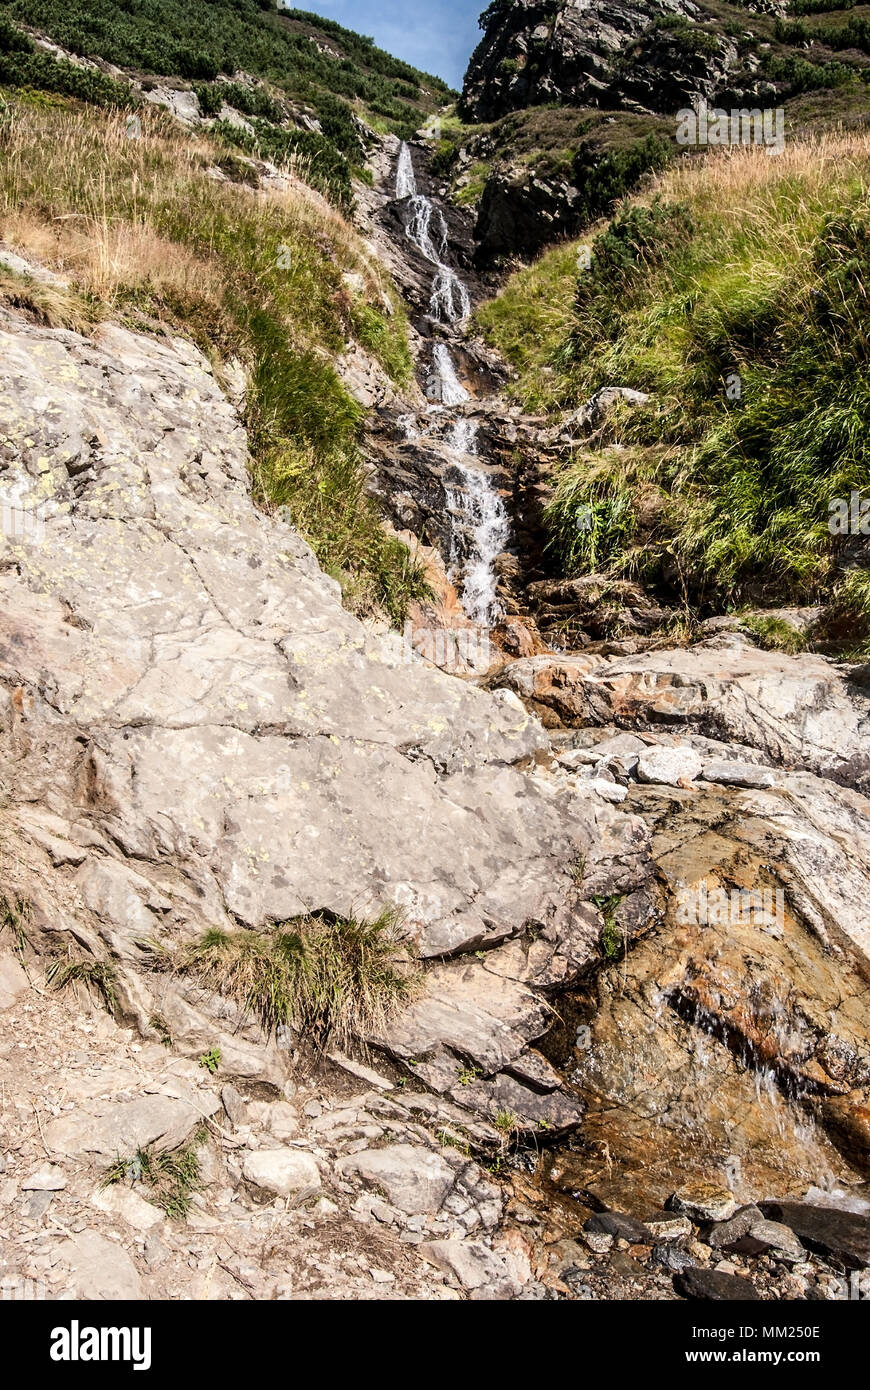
(672, 1256)
(282, 1171)
(37, 1205)
(313, 1109)
(234, 1104)
(714, 1286)
(47, 1179)
(737, 774)
(382, 1276)
(704, 1201)
(671, 767)
(626, 1229)
(599, 1242)
(608, 791)
(663, 1226)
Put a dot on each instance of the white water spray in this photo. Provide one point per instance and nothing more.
(426, 229)
(445, 385)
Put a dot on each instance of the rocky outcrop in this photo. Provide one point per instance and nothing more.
(642, 55)
(801, 712)
(195, 734)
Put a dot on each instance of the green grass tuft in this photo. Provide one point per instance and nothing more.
(337, 979)
(93, 974)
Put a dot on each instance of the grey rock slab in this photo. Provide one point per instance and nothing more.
(844, 1235)
(672, 766)
(737, 774)
(231, 746)
(414, 1179)
(284, 1172)
(100, 1269)
(49, 1178)
(473, 1264)
(123, 1127)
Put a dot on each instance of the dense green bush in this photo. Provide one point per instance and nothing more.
(45, 73)
(606, 178)
(798, 75)
(854, 34)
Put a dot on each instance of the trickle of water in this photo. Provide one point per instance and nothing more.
(450, 302)
(463, 436)
(409, 428)
(406, 183)
(480, 516)
(483, 514)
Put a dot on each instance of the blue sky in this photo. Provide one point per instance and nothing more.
(435, 35)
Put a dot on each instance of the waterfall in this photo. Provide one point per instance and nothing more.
(406, 184)
(444, 385)
(481, 529)
(426, 229)
(483, 513)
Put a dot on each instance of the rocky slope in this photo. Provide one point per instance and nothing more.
(634, 871)
(566, 105)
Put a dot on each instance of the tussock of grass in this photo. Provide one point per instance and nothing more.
(336, 979)
(93, 974)
(738, 266)
(144, 234)
(14, 916)
(775, 634)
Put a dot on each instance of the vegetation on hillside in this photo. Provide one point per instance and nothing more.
(200, 39)
(280, 69)
(736, 294)
(145, 235)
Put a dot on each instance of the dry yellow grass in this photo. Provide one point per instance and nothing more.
(120, 215)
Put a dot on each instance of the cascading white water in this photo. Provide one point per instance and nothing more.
(480, 513)
(479, 507)
(444, 385)
(406, 183)
(426, 229)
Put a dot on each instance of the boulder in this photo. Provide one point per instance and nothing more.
(674, 767)
(100, 1269)
(704, 1201)
(843, 1235)
(282, 1172)
(714, 1286)
(413, 1178)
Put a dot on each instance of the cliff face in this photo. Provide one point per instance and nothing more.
(568, 102)
(535, 52)
(587, 52)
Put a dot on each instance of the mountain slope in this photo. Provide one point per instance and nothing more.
(733, 294)
(566, 106)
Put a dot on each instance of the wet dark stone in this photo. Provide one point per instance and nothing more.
(842, 1235)
(672, 1256)
(620, 1226)
(714, 1286)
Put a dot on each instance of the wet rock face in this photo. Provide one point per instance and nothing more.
(731, 1042)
